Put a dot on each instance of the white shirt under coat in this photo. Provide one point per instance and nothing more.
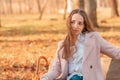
(75, 62)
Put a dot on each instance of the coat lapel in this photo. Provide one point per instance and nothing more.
(88, 45)
(64, 69)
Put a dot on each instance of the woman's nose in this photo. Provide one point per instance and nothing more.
(76, 25)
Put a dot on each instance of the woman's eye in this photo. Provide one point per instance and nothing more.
(72, 22)
(80, 23)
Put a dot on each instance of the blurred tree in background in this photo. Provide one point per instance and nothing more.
(0, 23)
(90, 7)
(10, 6)
(65, 9)
(42, 7)
(81, 4)
(114, 8)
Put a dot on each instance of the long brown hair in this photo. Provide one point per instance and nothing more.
(70, 39)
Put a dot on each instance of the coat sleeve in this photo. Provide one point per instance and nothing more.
(108, 49)
(55, 69)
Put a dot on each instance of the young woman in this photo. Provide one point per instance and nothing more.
(78, 55)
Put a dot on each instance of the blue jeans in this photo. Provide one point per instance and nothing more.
(76, 77)
(73, 77)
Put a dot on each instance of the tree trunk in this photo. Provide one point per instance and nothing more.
(20, 7)
(114, 8)
(90, 7)
(2, 9)
(29, 4)
(81, 4)
(57, 3)
(65, 10)
(0, 23)
(10, 4)
(41, 8)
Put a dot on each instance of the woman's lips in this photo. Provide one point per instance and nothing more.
(75, 30)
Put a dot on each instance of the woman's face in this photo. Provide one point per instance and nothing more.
(77, 24)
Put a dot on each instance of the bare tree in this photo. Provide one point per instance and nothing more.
(65, 10)
(10, 6)
(0, 18)
(0, 23)
(2, 9)
(57, 3)
(90, 7)
(29, 5)
(0, 15)
(20, 6)
(114, 8)
(81, 4)
(41, 9)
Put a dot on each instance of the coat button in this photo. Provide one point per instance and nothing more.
(91, 66)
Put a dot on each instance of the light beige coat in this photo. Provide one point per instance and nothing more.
(91, 68)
